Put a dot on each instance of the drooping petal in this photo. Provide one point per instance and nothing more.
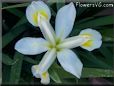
(31, 46)
(70, 62)
(47, 60)
(95, 39)
(35, 71)
(73, 42)
(45, 79)
(65, 20)
(35, 8)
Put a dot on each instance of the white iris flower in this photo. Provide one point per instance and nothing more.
(56, 43)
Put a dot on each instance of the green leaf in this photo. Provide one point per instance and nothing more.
(94, 72)
(11, 35)
(107, 33)
(16, 12)
(81, 10)
(53, 12)
(54, 75)
(7, 60)
(22, 21)
(60, 4)
(86, 72)
(30, 60)
(91, 23)
(97, 22)
(5, 74)
(107, 54)
(50, 2)
(5, 26)
(92, 58)
(15, 6)
(16, 69)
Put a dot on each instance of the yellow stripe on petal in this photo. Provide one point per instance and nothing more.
(35, 16)
(88, 43)
(88, 35)
(43, 13)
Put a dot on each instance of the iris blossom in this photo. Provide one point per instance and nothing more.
(56, 43)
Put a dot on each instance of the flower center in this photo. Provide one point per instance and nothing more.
(58, 41)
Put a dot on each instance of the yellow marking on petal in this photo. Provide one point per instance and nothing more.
(35, 16)
(88, 43)
(43, 13)
(88, 35)
(44, 75)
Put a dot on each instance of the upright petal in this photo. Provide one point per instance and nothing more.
(65, 20)
(47, 31)
(31, 46)
(95, 39)
(70, 62)
(35, 8)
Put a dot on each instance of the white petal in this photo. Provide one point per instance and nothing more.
(72, 42)
(35, 71)
(70, 62)
(95, 39)
(65, 20)
(31, 46)
(47, 31)
(44, 64)
(95, 34)
(45, 79)
(36, 6)
(95, 45)
(47, 60)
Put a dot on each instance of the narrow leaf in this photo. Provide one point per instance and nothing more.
(11, 35)
(86, 72)
(15, 6)
(97, 22)
(6, 59)
(89, 56)
(16, 69)
(60, 4)
(107, 54)
(54, 75)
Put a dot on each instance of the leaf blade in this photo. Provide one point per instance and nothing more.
(16, 69)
